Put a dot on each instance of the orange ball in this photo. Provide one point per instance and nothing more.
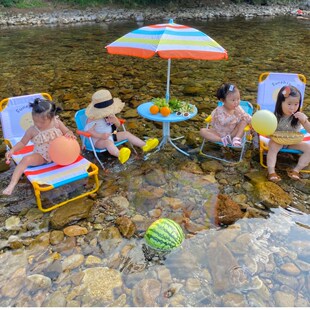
(64, 151)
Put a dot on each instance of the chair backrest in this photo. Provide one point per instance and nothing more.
(80, 120)
(16, 115)
(245, 105)
(270, 83)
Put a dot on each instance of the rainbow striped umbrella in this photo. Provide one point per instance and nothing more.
(169, 41)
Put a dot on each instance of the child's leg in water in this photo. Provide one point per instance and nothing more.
(30, 160)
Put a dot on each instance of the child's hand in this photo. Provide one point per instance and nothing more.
(302, 117)
(112, 119)
(69, 134)
(8, 156)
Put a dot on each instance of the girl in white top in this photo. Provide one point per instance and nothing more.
(102, 124)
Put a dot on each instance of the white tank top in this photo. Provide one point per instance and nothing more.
(101, 126)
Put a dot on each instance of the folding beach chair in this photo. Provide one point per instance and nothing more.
(248, 108)
(87, 141)
(15, 116)
(269, 84)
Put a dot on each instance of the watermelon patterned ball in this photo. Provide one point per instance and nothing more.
(164, 234)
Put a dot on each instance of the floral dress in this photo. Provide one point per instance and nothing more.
(224, 123)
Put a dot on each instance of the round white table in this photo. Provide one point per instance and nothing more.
(144, 111)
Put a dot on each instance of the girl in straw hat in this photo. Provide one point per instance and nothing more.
(102, 124)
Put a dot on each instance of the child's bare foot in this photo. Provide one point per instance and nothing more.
(8, 191)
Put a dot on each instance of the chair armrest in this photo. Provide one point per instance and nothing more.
(84, 133)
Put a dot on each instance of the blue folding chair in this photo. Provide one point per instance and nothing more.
(248, 108)
(87, 141)
(269, 84)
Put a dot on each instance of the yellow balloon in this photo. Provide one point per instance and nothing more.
(264, 122)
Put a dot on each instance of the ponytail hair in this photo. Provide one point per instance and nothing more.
(224, 90)
(44, 107)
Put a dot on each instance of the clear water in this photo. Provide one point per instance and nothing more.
(247, 264)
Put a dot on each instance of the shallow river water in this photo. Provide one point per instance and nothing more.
(257, 261)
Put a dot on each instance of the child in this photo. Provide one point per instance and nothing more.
(46, 127)
(229, 120)
(102, 124)
(287, 111)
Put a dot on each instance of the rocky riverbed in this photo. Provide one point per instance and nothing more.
(220, 9)
(91, 253)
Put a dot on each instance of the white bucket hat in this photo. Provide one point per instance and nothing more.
(103, 105)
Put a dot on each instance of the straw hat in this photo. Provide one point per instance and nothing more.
(103, 105)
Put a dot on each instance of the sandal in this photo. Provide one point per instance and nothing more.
(150, 144)
(294, 175)
(236, 142)
(124, 154)
(273, 177)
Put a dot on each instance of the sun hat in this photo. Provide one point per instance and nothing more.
(103, 105)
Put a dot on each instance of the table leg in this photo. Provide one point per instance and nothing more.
(166, 138)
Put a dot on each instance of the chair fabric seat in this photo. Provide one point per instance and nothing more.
(15, 119)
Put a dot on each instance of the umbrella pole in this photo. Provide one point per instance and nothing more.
(168, 81)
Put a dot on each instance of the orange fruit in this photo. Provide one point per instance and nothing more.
(154, 109)
(165, 111)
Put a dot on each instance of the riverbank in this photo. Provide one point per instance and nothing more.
(107, 14)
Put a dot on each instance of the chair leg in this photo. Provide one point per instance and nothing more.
(242, 152)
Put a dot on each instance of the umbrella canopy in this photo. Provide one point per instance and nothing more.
(169, 41)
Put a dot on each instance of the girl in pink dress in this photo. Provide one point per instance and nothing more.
(229, 120)
(46, 127)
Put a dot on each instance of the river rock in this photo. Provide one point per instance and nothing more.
(156, 177)
(221, 261)
(271, 195)
(290, 269)
(72, 261)
(75, 230)
(12, 223)
(284, 299)
(38, 282)
(71, 212)
(234, 300)
(100, 283)
(13, 287)
(145, 293)
(56, 299)
(56, 237)
(227, 211)
(126, 226)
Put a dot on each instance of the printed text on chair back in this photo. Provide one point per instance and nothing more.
(269, 87)
(16, 117)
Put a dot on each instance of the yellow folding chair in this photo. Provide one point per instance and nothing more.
(269, 84)
(15, 116)
(248, 108)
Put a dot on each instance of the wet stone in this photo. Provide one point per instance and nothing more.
(290, 269)
(75, 230)
(38, 282)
